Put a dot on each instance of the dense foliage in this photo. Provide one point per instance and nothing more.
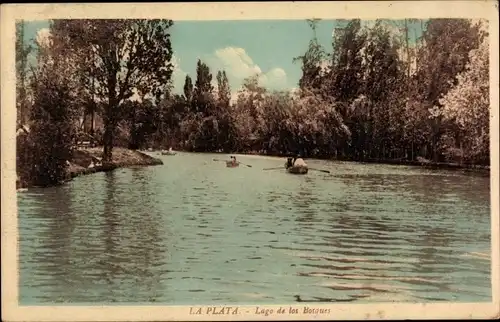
(56, 97)
(376, 96)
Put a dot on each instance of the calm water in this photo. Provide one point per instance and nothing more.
(195, 232)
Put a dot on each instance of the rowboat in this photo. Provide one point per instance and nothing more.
(298, 169)
(296, 166)
(168, 152)
(231, 164)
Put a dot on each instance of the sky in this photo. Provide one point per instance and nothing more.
(242, 48)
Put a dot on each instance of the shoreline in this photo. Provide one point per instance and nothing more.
(415, 163)
(86, 161)
(423, 163)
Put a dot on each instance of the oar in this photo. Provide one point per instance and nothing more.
(325, 171)
(273, 168)
(236, 161)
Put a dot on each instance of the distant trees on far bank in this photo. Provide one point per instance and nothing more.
(376, 96)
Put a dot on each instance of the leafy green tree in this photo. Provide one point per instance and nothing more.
(129, 54)
(53, 117)
(248, 109)
(203, 90)
(382, 75)
(344, 82)
(467, 105)
(226, 130)
(223, 89)
(346, 73)
(173, 112)
(275, 134)
(188, 89)
(312, 60)
(447, 43)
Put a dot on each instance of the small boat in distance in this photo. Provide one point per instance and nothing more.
(298, 169)
(168, 152)
(232, 163)
(296, 166)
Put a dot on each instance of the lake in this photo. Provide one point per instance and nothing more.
(192, 231)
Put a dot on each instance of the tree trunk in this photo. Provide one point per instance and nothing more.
(108, 144)
(92, 139)
(110, 118)
(92, 114)
(407, 49)
(134, 142)
(109, 128)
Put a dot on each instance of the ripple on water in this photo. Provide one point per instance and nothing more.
(184, 233)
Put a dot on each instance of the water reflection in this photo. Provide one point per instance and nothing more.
(179, 235)
(55, 249)
(305, 201)
(134, 245)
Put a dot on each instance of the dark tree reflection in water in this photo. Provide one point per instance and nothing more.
(56, 248)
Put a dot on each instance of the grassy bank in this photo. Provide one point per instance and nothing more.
(88, 160)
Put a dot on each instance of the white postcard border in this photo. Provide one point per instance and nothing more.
(11, 311)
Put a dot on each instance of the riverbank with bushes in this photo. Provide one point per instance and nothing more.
(89, 160)
(429, 108)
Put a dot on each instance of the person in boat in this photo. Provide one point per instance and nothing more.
(289, 162)
(233, 159)
(170, 149)
(298, 161)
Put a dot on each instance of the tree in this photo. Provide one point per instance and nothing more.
(344, 81)
(447, 43)
(223, 89)
(23, 140)
(174, 110)
(129, 54)
(382, 75)
(226, 131)
(345, 77)
(203, 90)
(200, 126)
(468, 106)
(133, 109)
(56, 94)
(315, 124)
(312, 60)
(277, 110)
(249, 111)
(188, 89)
(22, 52)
